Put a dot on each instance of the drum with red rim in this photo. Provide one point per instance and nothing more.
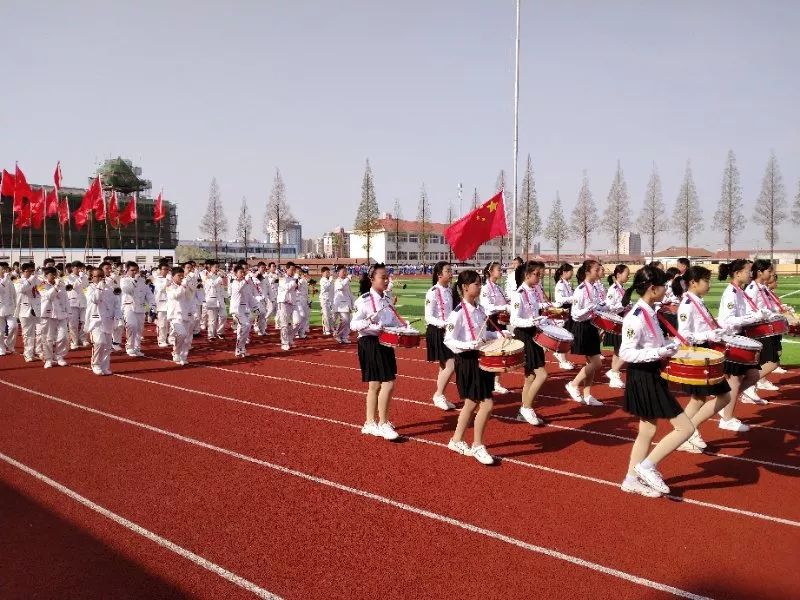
(608, 322)
(738, 349)
(695, 366)
(554, 312)
(501, 355)
(399, 337)
(555, 338)
(766, 328)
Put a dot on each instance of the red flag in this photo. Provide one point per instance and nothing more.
(113, 210)
(7, 184)
(90, 197)
(57, 175)
(51, 202)
(63, 211)
(128, 216)
(99, 204)
(37, 208)
(159, 212)
(23, 216)
(21, 189)
(486, 222)
(80, 218)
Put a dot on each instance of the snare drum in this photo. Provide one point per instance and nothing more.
(766, 328)
(695, 366)
(501, 355)
(503, 317)
(555, 338)
(608, 322)
(738, 349)
(555, 312)
(399, 337)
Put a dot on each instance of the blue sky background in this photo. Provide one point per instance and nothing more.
(191, 90)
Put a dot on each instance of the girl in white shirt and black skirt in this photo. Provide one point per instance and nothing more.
(438, 306)
(614, 304)
(563, 299)
(585, 301)
(494, 301)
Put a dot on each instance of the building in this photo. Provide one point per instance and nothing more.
(292, 235)
(630, 244)
(336, 244)
(233, 251)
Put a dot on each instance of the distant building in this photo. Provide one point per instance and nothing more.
(630, 244)
(233, 251)
(292, 235)
(336, 244)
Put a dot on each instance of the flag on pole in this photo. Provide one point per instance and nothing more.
(486, 222)
(90, 197)
(7, 185)
(80, 218)
(99, 203)
(128, 216)
(63, 211)
(113, 210)
(57, 175)
(37, 208)
(159, 212)
(51, 202)
(21, 189)
(23, 216)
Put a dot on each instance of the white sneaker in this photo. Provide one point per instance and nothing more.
(698, 441)
(574, 393)
(106, 373)
(97, 370)
(163, 345)
(386, 430)
(371, 429)
(733, 424)
(591, 401)
(637, 487)
(529, 415)
(616, 381)
(85, 344)
(482, 455)
(750, 396)
(566, 365)
(131, 353)
(61, 362)
(183, 363)
(766, 384)
(499, 389)
(74, 346)
(461, 447)
(116, 347)
(443, 403)
(652, 478)
(48, 364)
(689, 447)
(780, 371)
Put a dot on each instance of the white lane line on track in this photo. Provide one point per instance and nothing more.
(514, 461)
(146, 533)
(331, 484)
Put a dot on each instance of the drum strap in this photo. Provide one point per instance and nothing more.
(748, 298)
(441, 303)
(399, 318)
(470, 325)
(766, 297)
(710, 321)
(666, 324)
(496, 289)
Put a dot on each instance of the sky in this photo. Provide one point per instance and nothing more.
(235, 90)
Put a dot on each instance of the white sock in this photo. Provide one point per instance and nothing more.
(631, 479)
(647, 464)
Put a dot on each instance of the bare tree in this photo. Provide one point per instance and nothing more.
(423, 223)
(214, 224)
(277, 216)
(397, 216)
(584, 216)
(475, 199)
(771, 204)
(557, 230)
(528, 220)
(687, 218)
(729, 218)
(244, 226)
(368, 215)
(651, 220)
(796, 207)
(616, 218)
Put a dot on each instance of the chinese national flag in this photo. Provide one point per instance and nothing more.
(128, 216)
(7, 185)
(63, 211)
(51, 202)
(113, 210)
(37, 208)
(21, 189)
(486, 222)
(159, 212)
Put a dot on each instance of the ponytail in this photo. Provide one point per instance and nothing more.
(645, 277)
(365, 283)
(525, 268)
(581, 275)
(617, 270)
(564, 268)
(728, 270)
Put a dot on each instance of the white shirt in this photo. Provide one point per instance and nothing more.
(373, 312)
(260, 286)
(584, 301)
(733, 310)
(694, 319)
(136, 294)
(641, 342)
(28, 298)
(511, 282)
(181, 301)
(524, 307)
(325, 289)
(342, 295)
(761, 296)
(112, 281)
(614, 297)
(100, 303)
(492, 298)
(214, 286)
(272, 285)
(287, 290)
(438, 305)
(563, 292)
(55, 303)
(243, 297)
(465, 328)
(8, 296)
(77, 296)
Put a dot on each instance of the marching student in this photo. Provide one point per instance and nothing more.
(214, 285)
(326, 301)
(160, 283)
(614, 304)
(112, 282)
(192, 278)
(342, 305)
(525, 317)
(181, 304)
(493, 301)
(563, 299)
(8, 305)
(697, 326)
(647, 395)
(272, 293)
(732, 315)
(28, 309)
(136, 297)
(55, 310)
(601, 289)
(243, 303)
(77, 282)
(772, 285)
(373, 312)
(511, 276)
(585, 301)
(260, 286)
(300, 317)
(438, 306)
(287, 298)
(466, 331)
(99, 320)
(671, 301)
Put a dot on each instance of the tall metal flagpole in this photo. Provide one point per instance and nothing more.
(516, 141)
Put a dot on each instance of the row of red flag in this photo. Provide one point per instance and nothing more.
(32, 206)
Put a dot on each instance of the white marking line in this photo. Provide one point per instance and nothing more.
(790, 293)
(139, 530)
(514, 461)
(328, 483)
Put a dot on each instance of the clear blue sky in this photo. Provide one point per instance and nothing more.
(192, 90)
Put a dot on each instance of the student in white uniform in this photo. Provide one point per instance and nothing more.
(260, 284)
(342, 306)
(585, 301)
(511, 276)
(772, 285)
(215, 290)
(287, 298)
(28, 309)
(181, 304)
(614, 304)
(438, 306)
(160, 283)
(55, 310)
(243, 303)
(326, 301)
(759, 299)
(99, 319)
(494, 301)
(136, 298)
(8, 305)
(563, 299)
(76, 283)
(112, 282)
(272, 292)
(300, 317)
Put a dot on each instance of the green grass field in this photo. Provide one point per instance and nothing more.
(411, 301)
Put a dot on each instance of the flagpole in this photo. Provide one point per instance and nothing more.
(12, 232)
(136, 222)
(105, 210)
(516, 140)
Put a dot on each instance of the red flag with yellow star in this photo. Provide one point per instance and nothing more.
(486, 222)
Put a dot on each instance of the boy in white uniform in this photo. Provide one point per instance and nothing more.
(28, 309)
(243, 303)
(77, 282)
(214, 285)
(99, 320)
(272, 293)
(287, 298)
(8, 305)
(260, 287)
(301, 309)
(112, 282)
(160, 283)
(342, 305)
(136, 297)
(55, 310)
(326, 300)
(181, 306)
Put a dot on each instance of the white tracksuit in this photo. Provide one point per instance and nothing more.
(77, 308)
(243, 303)
(8, 322)
(214, 286)
(160, 295)
(136, 297)
(300, 318)
(181, 307)
(28, 311)
(287, 299)
(326, 303)
(99, 323)
(342, 306)
(55, 312)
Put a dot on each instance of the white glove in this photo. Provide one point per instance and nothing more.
(667, 351)
(375, 327)
(506, 334)
(474, 344)
(715, 335)
(690, 339)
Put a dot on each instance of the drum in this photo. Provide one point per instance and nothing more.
(766, 328)
(608, 322)
(738, 349)
(794, 322)
(555, 312)
(503, 317)
(501, 355)
(399, 337)
(555, 338)
(695, 366)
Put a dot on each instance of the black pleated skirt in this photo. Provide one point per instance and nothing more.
(437, 351)
(737, 369)
(647, 394)
(568, 322)
(377, 362)
(612, 339)
(587, 338)
(534, 353)
(473, 383)
(771, 352)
